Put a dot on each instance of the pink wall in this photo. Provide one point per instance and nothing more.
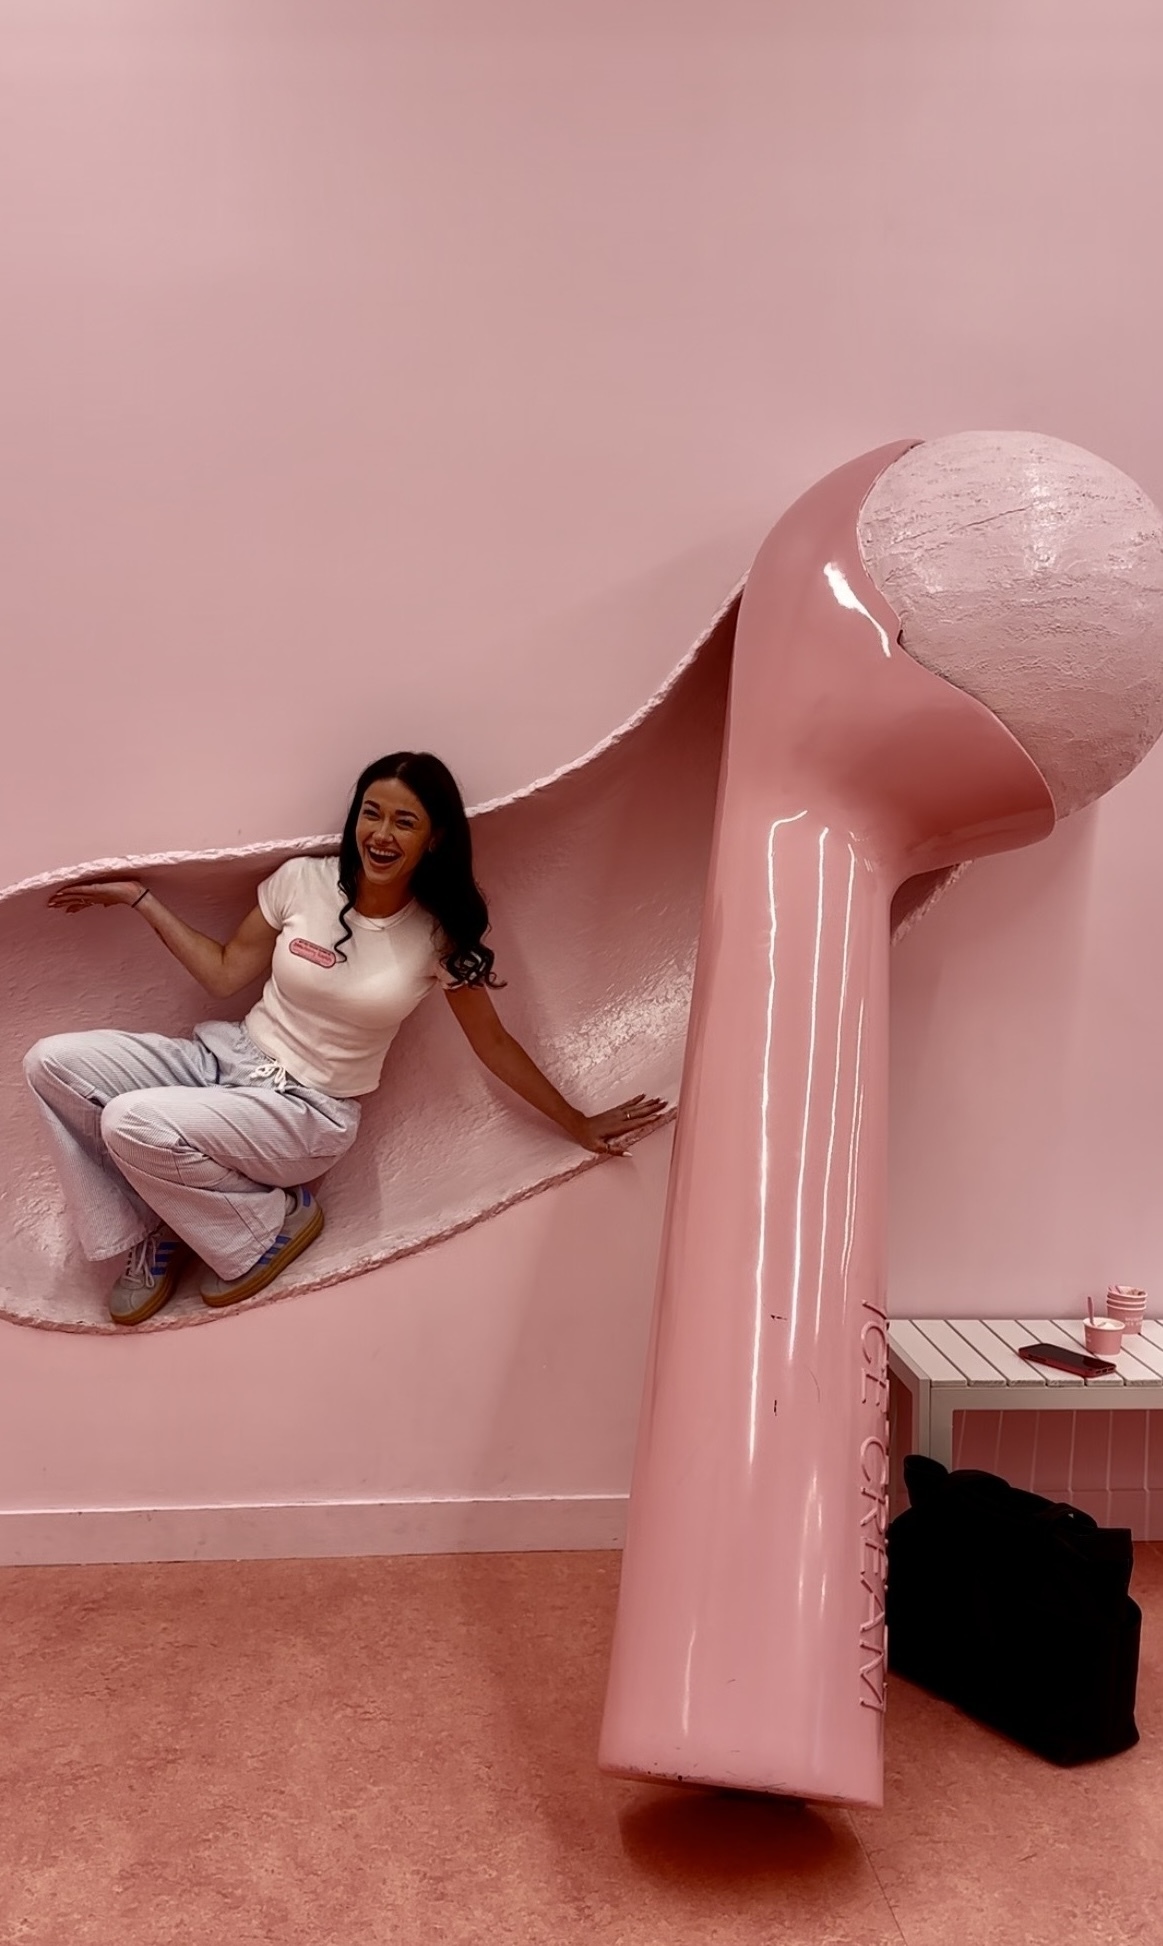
(376, 374)
(1028, 1109)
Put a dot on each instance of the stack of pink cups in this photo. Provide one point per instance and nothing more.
(1127, 1304)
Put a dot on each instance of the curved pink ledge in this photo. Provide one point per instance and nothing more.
(595, 876)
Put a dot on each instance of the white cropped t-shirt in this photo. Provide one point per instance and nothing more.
(330, 1021)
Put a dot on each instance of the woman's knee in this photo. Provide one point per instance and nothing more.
(48, 1060)
(131, 1120)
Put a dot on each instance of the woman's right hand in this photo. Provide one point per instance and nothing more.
(103, 891)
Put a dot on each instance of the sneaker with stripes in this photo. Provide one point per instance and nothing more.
(301, 1225)
(150, 1277)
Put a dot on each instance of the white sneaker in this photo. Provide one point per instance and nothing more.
(301, 1225)
(150, 1277)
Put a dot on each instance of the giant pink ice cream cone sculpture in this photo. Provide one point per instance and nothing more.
(749, 1648)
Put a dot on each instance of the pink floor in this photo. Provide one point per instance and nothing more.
(350, 1753)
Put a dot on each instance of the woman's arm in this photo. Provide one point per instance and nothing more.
(491, 1042)
(222, 970)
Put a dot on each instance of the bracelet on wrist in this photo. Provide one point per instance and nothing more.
(134, 903)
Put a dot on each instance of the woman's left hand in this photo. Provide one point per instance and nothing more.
(609, 1132)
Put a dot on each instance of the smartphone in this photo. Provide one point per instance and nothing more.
(1081, 1364)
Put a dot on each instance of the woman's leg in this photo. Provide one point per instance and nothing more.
(215, 1162)
(74, 1078)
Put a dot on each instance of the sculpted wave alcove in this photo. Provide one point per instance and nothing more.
(595, 878)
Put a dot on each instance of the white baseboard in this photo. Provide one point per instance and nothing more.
(319, 1528)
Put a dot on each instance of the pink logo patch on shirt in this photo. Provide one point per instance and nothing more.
(307, 949)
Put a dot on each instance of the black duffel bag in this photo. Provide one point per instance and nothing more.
(1016, 1609)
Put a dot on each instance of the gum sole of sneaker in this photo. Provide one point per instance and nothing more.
(259, 1280)
(160, 1297)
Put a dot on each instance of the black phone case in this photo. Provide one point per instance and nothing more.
(1080, 1364)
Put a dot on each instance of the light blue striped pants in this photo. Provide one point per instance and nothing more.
(205, 1134)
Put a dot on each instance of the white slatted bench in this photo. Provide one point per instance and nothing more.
(953, 1365)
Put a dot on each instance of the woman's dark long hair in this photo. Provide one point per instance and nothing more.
(443, 881)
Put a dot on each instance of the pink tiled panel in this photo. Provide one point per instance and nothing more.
(1090, 1467)
(1018, 1443)
(1128, 1451)
(975, 1439)
(1108, 1463)
(1054, 1449)
(1130, 1507)
(1096, 1502)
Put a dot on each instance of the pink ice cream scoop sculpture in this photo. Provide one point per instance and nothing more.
(940, 648)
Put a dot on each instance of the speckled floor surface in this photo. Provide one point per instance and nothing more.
(352, 1753)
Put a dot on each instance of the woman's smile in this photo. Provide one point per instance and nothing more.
(376, 855)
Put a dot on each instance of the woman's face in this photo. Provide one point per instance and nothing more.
(393, 832)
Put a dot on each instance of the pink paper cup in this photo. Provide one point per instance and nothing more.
(1104, 1336)
(1127, 1304)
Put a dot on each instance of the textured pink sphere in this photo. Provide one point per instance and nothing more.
(1030, 574)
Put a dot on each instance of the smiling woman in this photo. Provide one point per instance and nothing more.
(168, 1149)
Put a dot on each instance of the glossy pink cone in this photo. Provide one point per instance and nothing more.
(749, 1648)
